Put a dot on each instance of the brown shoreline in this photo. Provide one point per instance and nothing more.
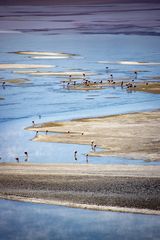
(114, 187)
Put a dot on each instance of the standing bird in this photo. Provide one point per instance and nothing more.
(33, 123)
(75, 155)
(92, 143)
(94, 147)
(135, 75)
(68, 85)
(86, 158)
(17, 159)
(46, 132)
(26, 156)
(3, 85)
(36, 133)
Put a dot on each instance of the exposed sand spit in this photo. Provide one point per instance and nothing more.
(135, 135)
(55, 54)
(61, 74)
(16, 81)
(130, 63)
(18, 65)
(150, 87)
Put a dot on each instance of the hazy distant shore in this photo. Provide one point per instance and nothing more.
(52, 2)
(114, 187)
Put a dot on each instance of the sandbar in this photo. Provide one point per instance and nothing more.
(133, 135)
(149, 87)
(130, 63)
(15, 81)
(18, 65)
(37, 73)
(45, 53)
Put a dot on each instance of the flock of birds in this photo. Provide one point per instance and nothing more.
(86, 83)
(93, 146)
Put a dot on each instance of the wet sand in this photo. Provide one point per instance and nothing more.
(152, 87)
(134, 135)
(63, 74)
(14, 65)
(15, 81)
(114, 187)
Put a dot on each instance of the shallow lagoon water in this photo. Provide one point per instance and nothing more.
(46, 95)
(25, 221)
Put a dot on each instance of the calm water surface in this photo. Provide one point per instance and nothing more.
(45, 95)
(94, 34)
(38, 221)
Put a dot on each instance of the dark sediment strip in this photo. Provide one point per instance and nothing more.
(129, 192)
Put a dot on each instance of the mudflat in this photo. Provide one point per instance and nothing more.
(104, 187)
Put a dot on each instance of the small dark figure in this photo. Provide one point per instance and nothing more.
(33, 123)
(68, 132)
(94, 147)
(75, 155)
(135, 75)
(68, 85)
(146, 83)
(74, 83)
(36, 133)
(111, 76)
(122, 84)
(17, 159)
(4, 85)
(84, 75)
(86, 158)
(82, 134)
(92, 143)
(101, 82)
(46, 132)
(26, 156)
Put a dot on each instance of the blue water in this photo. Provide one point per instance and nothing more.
(26, 221)
(45, 95)
(104, 33)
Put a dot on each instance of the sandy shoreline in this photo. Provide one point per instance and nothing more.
(116, 187)
(134, 135)
(150, 87)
